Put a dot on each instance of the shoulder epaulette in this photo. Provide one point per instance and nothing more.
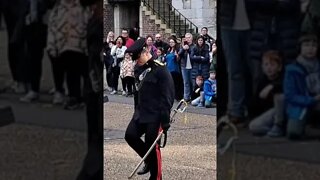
(158, 63)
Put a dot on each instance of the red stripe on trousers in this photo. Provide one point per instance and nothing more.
(159, 174)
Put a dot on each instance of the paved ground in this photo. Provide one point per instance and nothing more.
(251, 167)
(31, 152)
(264, 158)
(189, 154)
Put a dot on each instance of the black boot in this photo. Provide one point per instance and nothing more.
(144, 170)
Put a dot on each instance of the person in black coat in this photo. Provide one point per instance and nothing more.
(160, 43)
(200, 60)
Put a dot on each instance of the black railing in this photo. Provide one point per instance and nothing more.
(165, 11)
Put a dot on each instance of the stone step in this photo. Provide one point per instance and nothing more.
(177, 23)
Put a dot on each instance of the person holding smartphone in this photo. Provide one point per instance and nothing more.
(186, 66)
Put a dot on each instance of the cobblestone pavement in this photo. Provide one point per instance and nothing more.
(31, 152)
(188, 155)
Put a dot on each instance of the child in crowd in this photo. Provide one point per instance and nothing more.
(210, 89)
(268, 103)
(161, 55)
(127, 75)
(302, 87)
(197, 94)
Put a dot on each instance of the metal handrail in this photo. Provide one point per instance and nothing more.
(191, 23)
(164, 4)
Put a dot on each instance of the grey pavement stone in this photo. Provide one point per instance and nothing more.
(32, 152)
(264, 168)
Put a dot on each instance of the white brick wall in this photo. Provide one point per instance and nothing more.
(202, 13)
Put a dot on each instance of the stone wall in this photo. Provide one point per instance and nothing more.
(149, 27)
(200, 12)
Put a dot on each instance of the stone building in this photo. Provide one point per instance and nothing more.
(165, 16)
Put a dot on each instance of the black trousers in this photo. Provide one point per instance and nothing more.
(76, 66)
(58, 71)
(16, 46)
(35, 43)
(115, 73)
(178, 85)
(109, 73)
(133, 137)
(128, 84)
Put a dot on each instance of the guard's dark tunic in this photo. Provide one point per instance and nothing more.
(155, 97)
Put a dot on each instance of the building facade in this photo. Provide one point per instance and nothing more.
(165, 16)
(200, 12)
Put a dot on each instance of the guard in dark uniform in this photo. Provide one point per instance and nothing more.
(154, 99)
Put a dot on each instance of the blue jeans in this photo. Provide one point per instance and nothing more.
(236, 47)
(198, 100)
(187, 83)
(262, 124)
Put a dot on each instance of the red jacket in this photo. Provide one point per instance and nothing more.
(129, 42)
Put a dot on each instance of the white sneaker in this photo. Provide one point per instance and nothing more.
(19, 88)
(113, 92)
(124, 93)
(58, 98)
(30, 96)
(52, 91)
